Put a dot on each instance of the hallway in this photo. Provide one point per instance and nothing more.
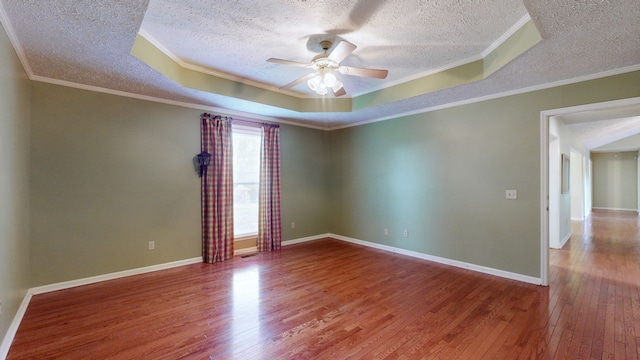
(594, 299)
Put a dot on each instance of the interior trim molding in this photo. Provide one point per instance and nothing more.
(604, 105)
(564, 241)
(615, 209)
(13, 327)
(305, 239)
(155, 42)
(544, 199)
(545, 136)
(415, 254)
(213, 109)
(21, 56)
(245, 251)
(445, 261)
(524, 90)
(17, 319)
(566, 238)
(516, 40)
(250, 116)
(11, 34)
(111, 276)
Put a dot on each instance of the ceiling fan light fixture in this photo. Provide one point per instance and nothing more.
(325, 66)
(322, 81)
(322, 89)
(314, 82)
(330, 79)
(338, 85)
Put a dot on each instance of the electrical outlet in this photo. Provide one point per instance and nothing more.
(405, 233)
(293, 225)
(152, 245)
(512, 194)
(386, 232)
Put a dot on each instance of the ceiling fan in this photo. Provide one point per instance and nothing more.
(325, 65)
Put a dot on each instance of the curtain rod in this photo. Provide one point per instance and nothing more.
(248, 122)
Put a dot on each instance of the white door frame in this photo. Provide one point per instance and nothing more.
(553, 198)
(544, 199)
(544, 172)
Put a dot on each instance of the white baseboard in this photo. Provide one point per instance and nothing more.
(284, 243)
(562, 242)
(111, 276)
(445, 261)
(13, 327)
(305, 239)
(616, 209)
(17, 319)
(565, 239)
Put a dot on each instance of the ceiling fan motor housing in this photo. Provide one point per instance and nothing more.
(326, 45)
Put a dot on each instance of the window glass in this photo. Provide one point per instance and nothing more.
(246, 178)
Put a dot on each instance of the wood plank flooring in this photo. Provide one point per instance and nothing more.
(333, 300)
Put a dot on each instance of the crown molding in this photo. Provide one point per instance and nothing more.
(6, 24)
(155, 42)
(4, 20)
(213, 109)
(493, 46)
(500, 95)
(250, 116)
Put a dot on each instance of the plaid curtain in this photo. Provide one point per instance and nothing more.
(269, 227)
(217, 189)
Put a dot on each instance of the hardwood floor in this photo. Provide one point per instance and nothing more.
(333, 300)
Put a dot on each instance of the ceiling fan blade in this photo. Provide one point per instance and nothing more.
(298, 81)
(287, 62)
(340, 92)
(370, 73)
(341, 51)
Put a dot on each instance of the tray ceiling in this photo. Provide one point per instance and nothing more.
(220, 49)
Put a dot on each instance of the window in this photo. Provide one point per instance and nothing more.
(246, 179)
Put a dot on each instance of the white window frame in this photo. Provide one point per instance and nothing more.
(248, 130)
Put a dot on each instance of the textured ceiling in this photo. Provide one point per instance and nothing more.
(600, 127)
(408, 38)
(89, 43)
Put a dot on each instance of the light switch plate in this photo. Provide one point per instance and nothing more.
(512, 194)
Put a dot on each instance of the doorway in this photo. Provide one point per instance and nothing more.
(550, 195)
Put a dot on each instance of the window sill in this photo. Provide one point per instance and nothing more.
(246, 237)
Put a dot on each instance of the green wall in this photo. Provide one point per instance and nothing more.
(109, 174)
(106, 174)
(615, 180)
(14, 190)
(442, 175)
(304, 163)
